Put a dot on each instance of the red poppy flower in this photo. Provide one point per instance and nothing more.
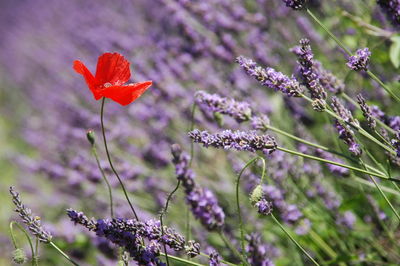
(111, 73)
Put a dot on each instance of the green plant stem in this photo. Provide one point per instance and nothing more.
(383, 195)
(162, 215)
(62, 253)
(34, 261)
(336, 163)
(328, 250)
(187, 229)
(109, 159)
(232, 248)
(96, 156)
(187, 262)
(293, 240)
(349, 53)
(318, 146)
(238, 204)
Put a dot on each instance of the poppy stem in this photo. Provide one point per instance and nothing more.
(109, 159)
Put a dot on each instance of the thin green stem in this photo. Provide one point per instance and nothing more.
(34, 261)
(318, 146)
(293, 240)
(383, 194)
(62, 253)
(238, 204)
(187, 229)
(232, 248)
(109, 159)
(162, 215)
(383, 85)
(94, 151)
(329, 32)
(328, 250)
(36, 258)
(187, 262)
(336, 163)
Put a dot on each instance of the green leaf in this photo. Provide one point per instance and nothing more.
(394, 52)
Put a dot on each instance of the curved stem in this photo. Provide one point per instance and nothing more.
(293, 240)
(336, 163)
(94, 151)
(62, 253)
(109, 159)
(232, 248)
(238, 204)
(34, 261)
(161, 218)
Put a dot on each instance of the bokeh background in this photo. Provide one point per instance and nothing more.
(182, 46)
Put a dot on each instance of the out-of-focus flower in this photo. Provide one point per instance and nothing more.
(392, 10)
(111, 73)
(240, 111)
(214, 258)
(360, 60)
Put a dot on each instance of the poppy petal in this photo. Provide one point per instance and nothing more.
(80, 68)
(126, 94)
(112, 68)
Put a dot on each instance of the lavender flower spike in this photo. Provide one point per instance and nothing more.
(295, 4)
(271, 78)
(240, 111)
(360, 60)
(308, 71)
(204, 205)
(367, 111)
(237, 140)
(32, 222)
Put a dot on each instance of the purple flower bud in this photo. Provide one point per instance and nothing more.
(295, 4)
(360, 60)
(264, 207)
